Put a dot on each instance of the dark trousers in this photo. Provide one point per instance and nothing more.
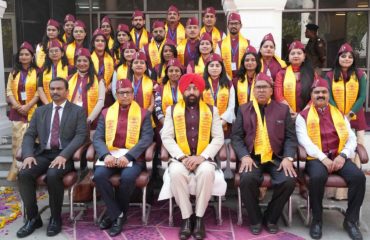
(117, 201)
(354, 178)
(54, 179)
(249, 189)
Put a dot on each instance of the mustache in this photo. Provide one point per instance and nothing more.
(320, 98)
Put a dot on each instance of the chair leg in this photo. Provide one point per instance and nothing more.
(240, 217)
(71, 217)
(170, 217)
(308, 211)
(144, 217)
(219, 220)
(290, 212)
(94, 206)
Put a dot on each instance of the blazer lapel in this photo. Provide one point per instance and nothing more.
(48, 119)
(64, 116)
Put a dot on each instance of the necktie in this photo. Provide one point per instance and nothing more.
(54, 139)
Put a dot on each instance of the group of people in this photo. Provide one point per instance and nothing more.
(191, 90)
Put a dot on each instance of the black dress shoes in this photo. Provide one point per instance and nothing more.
(256, 229)
(54, 227)
(316, 230)
(117, 225)
(186, 228)
(352, 230)
(199, 229)
(29, 227)
(271, 228)
(105, 223)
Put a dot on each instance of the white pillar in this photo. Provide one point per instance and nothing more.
(5, 124)
(259, 17)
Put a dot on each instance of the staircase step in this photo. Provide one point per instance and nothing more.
(3, 173)
(5, 146)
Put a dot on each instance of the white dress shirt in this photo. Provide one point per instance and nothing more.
(51, 122)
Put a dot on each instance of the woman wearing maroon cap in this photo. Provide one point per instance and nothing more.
(122, 36)
(21, 93)
(107, 28)
(52, 32)
(85, 89)
(78, 40)
(250, 66)
(203, 51)
(293, 84)
(271, 63)
(68, 25)
(56, 65)
(219, 91)
(168, 52)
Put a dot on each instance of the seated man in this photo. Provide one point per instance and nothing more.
(192, 134)
(329, 142)
(123, 133)
(61, 129)
(264, 140)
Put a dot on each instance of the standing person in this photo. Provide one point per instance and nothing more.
(60, 128)
(209, 26)
(260, 151)
(168, 52)
(315, 48)
(21, 93)
(192, 134)
(78, 40)
(203, 52)
(107, 28)
(250, 66)
(122, 36)
(56, 65)
(292, 85)
(103, 63)
(85, 89)
(233, 47)
(139, 35)
(124, 125)
(52, 32)
(186, 49)
(69, 21)
(154, 48)
(271, 64)
(175, 31)
(329, 141)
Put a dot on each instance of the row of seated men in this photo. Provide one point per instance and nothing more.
(264, 136)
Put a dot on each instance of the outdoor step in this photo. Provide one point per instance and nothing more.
(5, 146)
(6, 153)
(3, 173)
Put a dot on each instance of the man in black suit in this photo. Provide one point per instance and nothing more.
(125, 127)
(61, 129)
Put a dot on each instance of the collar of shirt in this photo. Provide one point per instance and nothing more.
(61, 105)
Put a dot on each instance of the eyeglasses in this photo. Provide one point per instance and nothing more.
(262, 88)
(124, 93)
(54, 51)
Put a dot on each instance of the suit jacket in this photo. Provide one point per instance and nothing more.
(145, 139)
(280, 127)
(72, 133)
(169, 141)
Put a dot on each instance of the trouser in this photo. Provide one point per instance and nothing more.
(54, 179)
(118, 201)
(180, 177)
(18, 128)
(249, 189)
(354, 178)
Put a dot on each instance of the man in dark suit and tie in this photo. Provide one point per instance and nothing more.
(61, 129)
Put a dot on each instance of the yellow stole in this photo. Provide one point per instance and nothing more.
(64, 38)
(47, 76)
(345, 93)
(181, 51)
(147, 88)
(222, 97)
(279, 60)
(167, 99)
(242, 90)
(160, 78)
(108, 66)
(199, 69)
(70, 53)
(92, 93)
(226, 52)
(133, 125)
(122, 72)
(154, 52)
(30, 89)
(180, 32)
(110, 43)
(40, 55)
(262, 144)
(289, 85)
(216, 36)
(143, 39)
(313, 127)
(204, 130)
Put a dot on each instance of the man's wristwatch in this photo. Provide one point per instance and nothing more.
(290, 159)
(343, 155)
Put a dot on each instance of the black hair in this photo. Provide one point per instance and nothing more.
(48, 62)
(46, 39)
(92, 47)
(91, 72)
(242, 70)
(59, 79)
(166, 78)
(17, 66)
(130, 74)
(85, 43)
(173, 49)
(223, 81)
(122, 60)
(111, 32)
(198, 54)
(263, 41)
(337, 69)
(116, 46)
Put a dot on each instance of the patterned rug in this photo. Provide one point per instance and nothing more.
(158, 227)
